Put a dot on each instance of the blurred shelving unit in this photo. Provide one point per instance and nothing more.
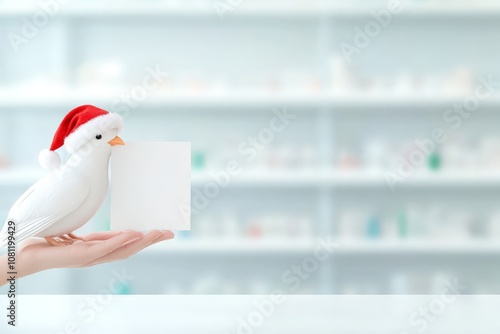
(227, 75)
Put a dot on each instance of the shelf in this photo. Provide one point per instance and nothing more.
(205, 101)
(297, 9)
(240, 101)
(166, 9)
(273, 247)
(311, 178)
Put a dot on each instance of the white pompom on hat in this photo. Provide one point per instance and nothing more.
(74, 130)
(49, 159)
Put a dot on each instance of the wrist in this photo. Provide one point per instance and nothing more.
(24, 266)
(3, 270)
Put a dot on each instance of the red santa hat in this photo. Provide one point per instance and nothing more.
(76, 129)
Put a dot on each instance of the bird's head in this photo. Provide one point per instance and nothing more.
(84, 131)
(100, 133)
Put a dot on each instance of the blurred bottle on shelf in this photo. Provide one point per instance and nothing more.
(340, 75)
(345, 79)
(434, 161)
(347, 160)
(268, 226)
(122, 288)
(349, 224)
(199, 160)
(416, 221)
(375, 151)
(402, 220)
(460, 82)
(102, 77)
(459, 154)
(373, 227)
(4, 160)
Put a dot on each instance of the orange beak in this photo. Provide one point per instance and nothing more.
(116, 141)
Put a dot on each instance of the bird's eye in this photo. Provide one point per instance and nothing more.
(98, 137)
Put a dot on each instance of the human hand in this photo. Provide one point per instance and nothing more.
(35, 254)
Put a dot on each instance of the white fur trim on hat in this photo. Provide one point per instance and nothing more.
(96, 126)
(49, 159)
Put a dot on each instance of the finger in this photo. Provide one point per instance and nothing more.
(33, 241)
(168, 234)
(108, 246)
(130, 249)
(164, 235)
(98, 236)
(121, 254)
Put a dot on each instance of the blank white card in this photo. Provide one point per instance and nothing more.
(151, 186)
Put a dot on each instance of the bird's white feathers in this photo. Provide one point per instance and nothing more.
(68, 198)
(48, 201)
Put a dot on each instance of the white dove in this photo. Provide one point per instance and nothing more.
(70, 196)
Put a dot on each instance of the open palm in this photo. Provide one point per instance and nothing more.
(36, 254)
